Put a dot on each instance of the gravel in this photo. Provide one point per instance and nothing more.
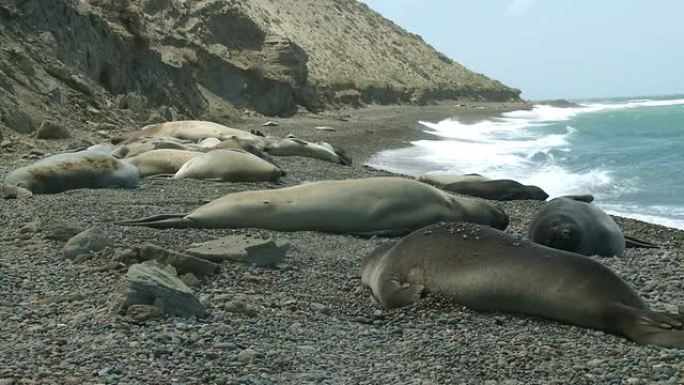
(307, 320)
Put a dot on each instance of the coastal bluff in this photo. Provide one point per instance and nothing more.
(127, 62)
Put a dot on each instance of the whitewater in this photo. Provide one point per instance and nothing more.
(628, 153)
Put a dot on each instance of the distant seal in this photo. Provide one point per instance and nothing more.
(296, 147)
(84, 169)
(196, 130)
(441, 180)
(571, 224)
(164, 161)
(144, 144)
(237, 144)
(490, 270)
(382, 206)
(229, 166)
(498, 190)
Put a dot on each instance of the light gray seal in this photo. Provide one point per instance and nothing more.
(84, 169)
(163, 161)
(291, 146)
(382, 206)
(572, 224)
(490, 270)
(229, 166)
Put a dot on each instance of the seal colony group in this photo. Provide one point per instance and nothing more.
(455, 244)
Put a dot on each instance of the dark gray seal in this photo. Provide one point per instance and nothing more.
(487, 269)
(571, 224)
(498, 190)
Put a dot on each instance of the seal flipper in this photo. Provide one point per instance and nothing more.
(654, 328)
(162, 221)
(632, 243)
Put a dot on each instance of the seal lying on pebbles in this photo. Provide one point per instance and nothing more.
(163, 161)
(487, 269)
(146, 144)
(296, 147)
(382, 205)
(84, 169)
(196, 130)
(229, 166)
(441, 180)
(571, 224)
(498, 190)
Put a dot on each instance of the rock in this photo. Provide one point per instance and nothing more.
(247, 356)
(61, 231)
(183, 262)
(326, 128)
(6, 144)
(85, 243)
(149, 284)
(142, 313)
(241, 305)
(270, 124)
(241, 248)
(191, 280)
(8, 191)
(52, 130)
(320, 308)
(168, 113)
(134, 102)
(20, 121)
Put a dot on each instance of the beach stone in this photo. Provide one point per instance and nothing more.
(85, 243)
(134, 102)
(142, 313)
(8, 191)
(184, 263)
(148, 283)
(241, 248)
(247, 356)
(52, 130)
(270, 124)
(61, 231)
(20, 121)
(191, 280)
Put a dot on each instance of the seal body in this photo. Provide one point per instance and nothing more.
(229, 166)
(569, 224)
(196, 130)
(383, 205)
(497, 190)
(487, 269)
(164, 161)
(296, 147)
(441, 180)
(84, 169)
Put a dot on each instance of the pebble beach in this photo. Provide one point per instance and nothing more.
(307, 320)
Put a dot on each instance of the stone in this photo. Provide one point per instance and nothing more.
(134, 102)
(149, 284)
(191, 280)
(142, 313)
(245, 248)
(325, 128)
(8, 191)
(184, 263)
(61, 231)
(270, 124)
(52, 130)
(20, 121)
(85, 243)
(247, 356)
(168, 113)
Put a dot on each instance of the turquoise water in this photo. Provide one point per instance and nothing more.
(629, 153)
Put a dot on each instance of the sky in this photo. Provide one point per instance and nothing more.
(572, 49)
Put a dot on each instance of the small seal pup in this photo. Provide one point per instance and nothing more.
(163, 161)
(371, 206)
(487, 269)
(229, 166)
(498, 190)
(84, 169)
(571, 223)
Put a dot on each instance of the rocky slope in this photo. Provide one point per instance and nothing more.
(93, 63)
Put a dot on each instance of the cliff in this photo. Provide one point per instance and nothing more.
(118, 62)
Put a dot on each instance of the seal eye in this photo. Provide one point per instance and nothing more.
(565, 234)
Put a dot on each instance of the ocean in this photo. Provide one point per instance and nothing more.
(627, 152)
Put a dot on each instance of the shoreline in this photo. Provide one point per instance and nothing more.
(57, 328)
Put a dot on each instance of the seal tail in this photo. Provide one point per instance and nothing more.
(648, 327)
(631, 242)
(162, 221)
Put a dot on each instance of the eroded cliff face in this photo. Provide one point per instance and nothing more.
(118, 61)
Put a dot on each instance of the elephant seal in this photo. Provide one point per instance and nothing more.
(487, 269)
(164, 161)
(84, 169)
(236, 144)
(572, 224)
(195, 130)
(297, 147)
(372, 206)
(441, 180)
(145, 144)
(498, 190)
(229, 166)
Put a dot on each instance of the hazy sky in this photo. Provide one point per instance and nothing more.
(555, 48)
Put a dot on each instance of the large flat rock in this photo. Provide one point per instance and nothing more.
(245, 248)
